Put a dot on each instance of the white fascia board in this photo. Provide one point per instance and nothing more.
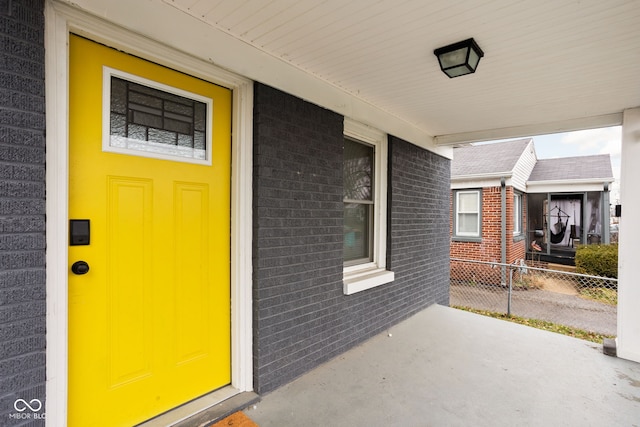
(478, 176)
(479, 181)
(567, 186)
(203, 41)
(594, 122)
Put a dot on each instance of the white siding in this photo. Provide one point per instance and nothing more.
(523, 167)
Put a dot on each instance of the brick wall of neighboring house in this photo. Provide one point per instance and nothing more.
(490, 247)
(22, 206)
(301, 316)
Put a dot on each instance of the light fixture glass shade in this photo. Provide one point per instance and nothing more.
(459, 58)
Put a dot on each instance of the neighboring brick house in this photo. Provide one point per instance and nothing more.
(507, 205)
(488, 182)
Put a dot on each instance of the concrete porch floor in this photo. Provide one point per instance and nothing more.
(445, 367)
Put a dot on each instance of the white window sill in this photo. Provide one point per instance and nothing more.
(361, 280)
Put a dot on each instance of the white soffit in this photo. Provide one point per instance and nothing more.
(549, 65)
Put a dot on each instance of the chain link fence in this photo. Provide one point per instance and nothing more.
(566, 298)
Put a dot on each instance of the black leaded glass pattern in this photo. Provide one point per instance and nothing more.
(144, 114)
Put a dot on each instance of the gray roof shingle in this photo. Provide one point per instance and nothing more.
(487, 159)
(573, 168)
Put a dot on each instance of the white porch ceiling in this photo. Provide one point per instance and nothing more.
(548, 65)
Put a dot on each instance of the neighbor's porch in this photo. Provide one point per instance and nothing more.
(449, 367)
(560, 221)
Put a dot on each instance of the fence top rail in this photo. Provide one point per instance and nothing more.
(517, 266)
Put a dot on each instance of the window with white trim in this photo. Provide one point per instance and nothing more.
(359, 205)
(468, 214)
(365, 208)
(517, 214)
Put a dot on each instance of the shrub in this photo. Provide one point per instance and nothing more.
(597, 260)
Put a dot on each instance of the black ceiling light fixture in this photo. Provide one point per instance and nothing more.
(459, 58)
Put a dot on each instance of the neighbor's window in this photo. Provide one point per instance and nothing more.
(468, 213)
(364, 208)
(517, 214)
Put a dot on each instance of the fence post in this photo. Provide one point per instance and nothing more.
(510, 289)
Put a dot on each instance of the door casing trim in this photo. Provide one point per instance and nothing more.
(60, 20)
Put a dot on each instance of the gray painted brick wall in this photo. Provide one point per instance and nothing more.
(22, 208)
(301, 317)
(419, 191)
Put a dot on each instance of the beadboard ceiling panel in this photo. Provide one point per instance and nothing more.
(546, 61)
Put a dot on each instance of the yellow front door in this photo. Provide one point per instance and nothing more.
(149, 168)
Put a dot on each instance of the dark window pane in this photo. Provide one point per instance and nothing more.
(357, 231)
(182, 109)
(200, 116)
(145, 100)
(118, 96)
(178, 126)
(145, 119)
(358, 171)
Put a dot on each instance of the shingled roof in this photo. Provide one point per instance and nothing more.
(489, 159)
(573, 168)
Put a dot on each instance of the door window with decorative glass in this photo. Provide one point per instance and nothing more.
(150, 119)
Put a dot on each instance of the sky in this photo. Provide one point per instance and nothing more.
(584, 143)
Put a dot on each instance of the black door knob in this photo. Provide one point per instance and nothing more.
(80, 267)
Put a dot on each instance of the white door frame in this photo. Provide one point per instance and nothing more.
(60, 20)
